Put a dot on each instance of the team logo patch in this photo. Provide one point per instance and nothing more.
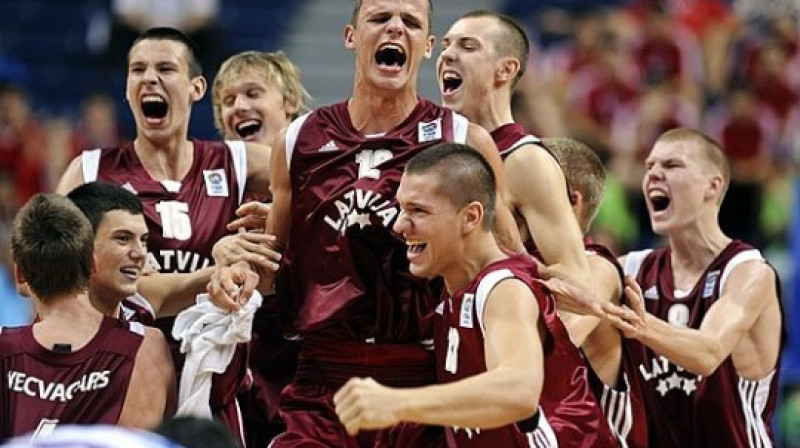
(465, 317)
(216, 183)
(430, 131)
(711, 282)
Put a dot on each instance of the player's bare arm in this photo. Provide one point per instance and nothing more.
(749, 297)
(258, 167)
(537, 190)
(608, 289)
(72, 177)
(151, 393)
(171, 293)
(508, 392)
(505, 227)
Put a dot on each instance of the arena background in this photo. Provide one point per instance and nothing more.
(613, 73)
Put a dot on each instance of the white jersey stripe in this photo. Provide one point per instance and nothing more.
(460, 128)
(485, 287)
(90, 164)
(239, 156)
(527, 140)
(292, 132)
(633, 261)
(741, 257)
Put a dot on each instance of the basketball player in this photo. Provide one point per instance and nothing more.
(74, 365)
(499, 342)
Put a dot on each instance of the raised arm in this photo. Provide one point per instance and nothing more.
(505, 228)
(749, 296)
(151, 392)
(507, 392)
(72, 177)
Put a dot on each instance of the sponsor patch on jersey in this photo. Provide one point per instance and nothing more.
(429, 131)
(216, 183)
(465, 317)
(711, 282)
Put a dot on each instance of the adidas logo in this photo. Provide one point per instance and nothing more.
(651, 293)
(328, 147)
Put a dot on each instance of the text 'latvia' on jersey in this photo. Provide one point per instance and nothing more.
(342, 247)
(684, 409)
(184, 218)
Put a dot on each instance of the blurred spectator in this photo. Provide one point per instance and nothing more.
(98, 126)
(21, 143)
(59, 149)
(197, 18)
(14, 309)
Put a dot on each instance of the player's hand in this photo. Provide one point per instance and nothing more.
(231, 286)
(252, 247)
(252, 215)
(632, 322)
(363, 403)
(571, 295)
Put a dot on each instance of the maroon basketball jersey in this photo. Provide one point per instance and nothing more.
(185, 217)
(684, 409)
(43, 388)
(622, 406)
(136, 308)
(346, 271)
(572, 417)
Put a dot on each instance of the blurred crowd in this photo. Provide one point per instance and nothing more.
(615, 74)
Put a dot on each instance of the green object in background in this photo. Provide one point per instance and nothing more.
(614, 216)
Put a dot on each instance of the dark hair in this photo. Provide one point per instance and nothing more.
(166, 33)
(52, 244)
(463, 175)
(357, 8)
(95, 199)
(194, 432)
(512, 41)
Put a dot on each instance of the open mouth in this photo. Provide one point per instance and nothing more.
(130, 273)
(154, 106)
(415, 247)
(451, 82)
(659, 201)
(391, 55)
(248, 128)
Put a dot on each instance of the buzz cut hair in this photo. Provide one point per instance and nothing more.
(512, 41)
(711, 150)
(463, 176)
(167, 33)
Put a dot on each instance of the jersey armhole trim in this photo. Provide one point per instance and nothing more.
(741, 257)
(90, 164)
(485, 287)
(292, 132)
(238, 151)
(633, 261)
(136, 327)
(460, 128)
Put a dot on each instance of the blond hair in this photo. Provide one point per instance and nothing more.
(712, 151)
(275, 68)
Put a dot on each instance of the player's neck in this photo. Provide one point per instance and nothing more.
(494, 113)
(693, 249)
(67, 319)
(374, 111)
(477, 254)
(165, 160)
(104, 303)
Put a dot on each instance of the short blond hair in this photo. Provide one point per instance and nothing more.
(276, 69)
(712, 151)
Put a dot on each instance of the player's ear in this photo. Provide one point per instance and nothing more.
(507, 69)
(197, 88)
(472, 217)
(349, 41)
(429, 46)
(19, 277)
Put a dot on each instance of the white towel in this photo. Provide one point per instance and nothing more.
(209, 336)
